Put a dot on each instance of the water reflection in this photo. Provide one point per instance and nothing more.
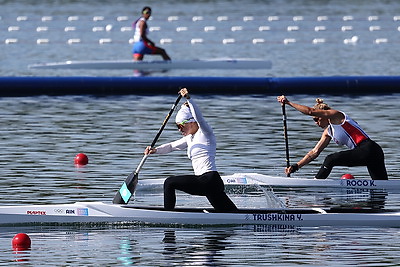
(130, 255)
(206, 250)
(361, 198)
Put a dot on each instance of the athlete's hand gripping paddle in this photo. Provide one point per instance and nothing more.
(128, 187)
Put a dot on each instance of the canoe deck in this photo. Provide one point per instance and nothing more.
(93, 213)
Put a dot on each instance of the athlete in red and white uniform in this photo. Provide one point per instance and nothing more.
(344, 131)
(348, 133)
(142, 44)
(200, 142)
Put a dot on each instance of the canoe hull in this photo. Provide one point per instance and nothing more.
(255, 179)
(158, 65)
(98, 212)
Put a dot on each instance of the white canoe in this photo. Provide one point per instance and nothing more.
(98, 212)
(255, 179)
(158, 65)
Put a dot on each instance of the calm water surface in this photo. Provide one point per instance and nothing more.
(41, 135)
(301, 38)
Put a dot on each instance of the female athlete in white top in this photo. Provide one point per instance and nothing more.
(200, 142)
(344, 131)
(143, 45)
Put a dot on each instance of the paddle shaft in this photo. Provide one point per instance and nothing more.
(128, 187)
(285, 135)
(159, 132)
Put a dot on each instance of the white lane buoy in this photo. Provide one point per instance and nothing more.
(228, 41)
(69, 29)
(42, 41)
(320, 28)
(373, 18)
(109, 27)
(264, 28)
(318, 40)
(122, 18)
(348, 18)
(47, 18)
(42, 29)
(298, 18)
(289, 41)
(353, 40)
(73, 18)
(154, 29)
(374, 28)
(181, 29)
(97, 29)
(13, 28)
(22, 18)
(236, 28)
(197, 18)
(105, 41)
(222, 18)
(166, 41)
(126, 29)
(74, 41)
(292, 28)
(172, 18)
(258, 41)
(11, 41)
(346, 28)
(381, 41)
(322, 18)
(98, 18)
(273, 18)
(197, 41)
(209, 28)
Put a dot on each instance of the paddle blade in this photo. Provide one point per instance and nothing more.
(127, 189)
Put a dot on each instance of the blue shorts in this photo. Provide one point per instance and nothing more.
(142, 48)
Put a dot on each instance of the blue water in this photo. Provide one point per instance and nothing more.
(41, 135)
(301, 38)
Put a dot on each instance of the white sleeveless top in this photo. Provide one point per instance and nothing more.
(137, 37)
(349, 133)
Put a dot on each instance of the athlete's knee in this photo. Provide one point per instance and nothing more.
(330, 160)
(169, 183)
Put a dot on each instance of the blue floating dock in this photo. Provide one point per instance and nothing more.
(29, 86)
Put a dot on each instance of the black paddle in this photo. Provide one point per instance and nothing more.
(128, 187)
(285, 135)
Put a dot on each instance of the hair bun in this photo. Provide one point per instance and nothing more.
(320, 104)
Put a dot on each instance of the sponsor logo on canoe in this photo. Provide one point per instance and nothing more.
(275, 217)
(36, 212)
(83, 211)
(369, 183)
(236, 180)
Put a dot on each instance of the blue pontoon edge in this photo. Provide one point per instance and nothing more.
(335, 85)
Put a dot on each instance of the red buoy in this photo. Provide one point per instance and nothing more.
(347, 176)
(21, 241)
(81, 159)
